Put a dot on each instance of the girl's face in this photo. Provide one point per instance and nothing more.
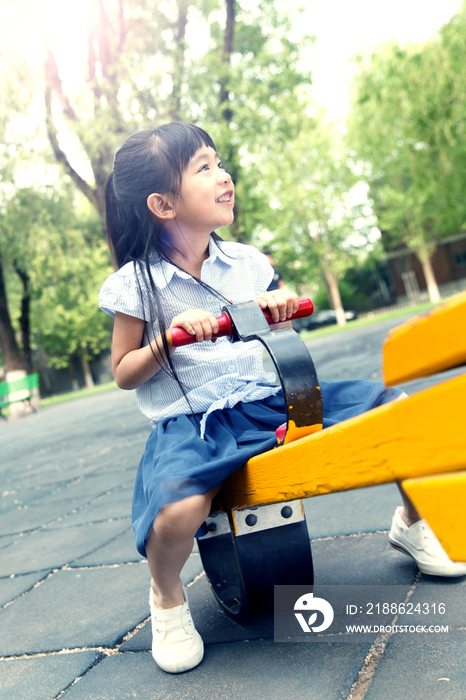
(206, 194)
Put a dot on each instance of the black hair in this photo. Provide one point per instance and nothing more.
(149, 161)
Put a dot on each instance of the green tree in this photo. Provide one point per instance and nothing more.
(140, 67)
(67, 321)
(10, 350)
(57, 255)
(27, 218)
(258, 99)
(315, 212)
(406, 124)
(16, 91)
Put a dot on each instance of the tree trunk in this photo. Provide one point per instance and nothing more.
(228, 152)
(179, 63)
(331, 281)
(24, 319)
(12, 356)
(88, 381)
(91, 193)
(227, 112)
(432, 286)
(72, 372)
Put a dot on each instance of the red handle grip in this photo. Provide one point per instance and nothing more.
(178, 337)
(305, 308)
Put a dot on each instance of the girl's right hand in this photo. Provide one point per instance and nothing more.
(197, 322)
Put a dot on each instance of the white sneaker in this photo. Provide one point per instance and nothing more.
(176, 644)
(420, 543)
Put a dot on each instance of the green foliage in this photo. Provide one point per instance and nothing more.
(267, 90)
(140, 68)
(67, 318)
(19, 126)
(315, 212)
(351, 297)
(60, 249)
(135, 69)
(407, 126)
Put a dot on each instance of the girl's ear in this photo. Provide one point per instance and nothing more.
(161, 206)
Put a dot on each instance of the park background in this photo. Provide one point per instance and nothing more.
(342, 127)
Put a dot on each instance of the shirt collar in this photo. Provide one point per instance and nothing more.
(163, 271)
(215, 251)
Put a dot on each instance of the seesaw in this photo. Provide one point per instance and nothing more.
(256, 533)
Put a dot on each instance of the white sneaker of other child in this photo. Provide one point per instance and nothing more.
(176, 644)
(420, 543)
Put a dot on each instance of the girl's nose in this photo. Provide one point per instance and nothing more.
(224, 176)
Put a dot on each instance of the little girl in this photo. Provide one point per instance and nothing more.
(211, 404)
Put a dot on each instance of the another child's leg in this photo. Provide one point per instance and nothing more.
(412, 535)
(408, 512)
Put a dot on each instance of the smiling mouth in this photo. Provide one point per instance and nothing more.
(225, 197)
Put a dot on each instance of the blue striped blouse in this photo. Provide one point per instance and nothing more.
(215, 375)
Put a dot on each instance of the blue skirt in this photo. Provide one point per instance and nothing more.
(178, 463)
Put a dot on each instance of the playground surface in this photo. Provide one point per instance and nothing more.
(74, 591)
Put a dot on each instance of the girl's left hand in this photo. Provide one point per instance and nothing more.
(281, 303)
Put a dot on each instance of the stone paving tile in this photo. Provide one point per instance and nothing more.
(433, 590)
(123, 550)
(75, 609)
(212, 623)
(80, 429)
(42, 678)
(26, 518)
(12, 587)
(22, 496)
(348, 512)
(260, 670)
(53, 548)
(7, 541)
(90, 487)
(58, 458)
(114, 506)
(115, 468)
(72, 605)
(50, 476)
(421, 667)
(46, 479)
(364, 559)
(120, 550)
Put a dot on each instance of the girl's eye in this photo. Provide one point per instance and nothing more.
(221, 166)
(203, 167)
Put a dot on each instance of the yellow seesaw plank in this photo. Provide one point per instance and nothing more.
(422, 435)
(442, 501)
(427, 344)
